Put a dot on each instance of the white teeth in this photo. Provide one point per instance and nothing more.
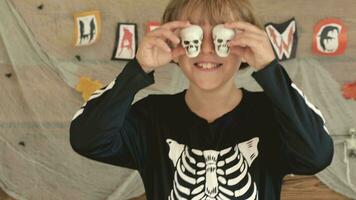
(207, 65)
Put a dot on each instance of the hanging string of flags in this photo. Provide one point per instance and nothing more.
(284, 38)
(125, 42)
(329, 38)
(87, 28)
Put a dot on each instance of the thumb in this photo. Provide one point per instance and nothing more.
(239, 51)
(178, 51)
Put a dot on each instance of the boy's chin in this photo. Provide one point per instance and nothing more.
(207, 85)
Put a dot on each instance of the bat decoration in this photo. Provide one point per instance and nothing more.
(78, 57)
(87, 87)
(40, 7)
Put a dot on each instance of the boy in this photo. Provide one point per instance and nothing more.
(212, 140)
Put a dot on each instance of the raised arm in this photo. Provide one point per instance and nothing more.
(306, 147)
(107, 128)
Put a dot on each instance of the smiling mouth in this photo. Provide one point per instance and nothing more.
(207, 65)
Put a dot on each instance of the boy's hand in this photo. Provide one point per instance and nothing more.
(252, 44)
(153, 51)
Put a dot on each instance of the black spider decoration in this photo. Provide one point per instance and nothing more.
(40, 7)
(22, 143)
(78, 57)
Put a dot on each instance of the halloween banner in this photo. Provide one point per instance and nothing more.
(126, 42)
(330, 37)
(284, 39)
(87, 27)
(152, 26)
(349, 90)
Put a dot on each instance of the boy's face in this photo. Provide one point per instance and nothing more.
(208, 71)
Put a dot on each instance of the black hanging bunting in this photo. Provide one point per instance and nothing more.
(330, 37)
(87, 28)
(125, 42)
(152, 25)
(284, 39)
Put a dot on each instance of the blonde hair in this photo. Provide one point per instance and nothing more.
(215, 11)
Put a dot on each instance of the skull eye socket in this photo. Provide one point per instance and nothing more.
(196, 41)
(220, 40)
(186, 42)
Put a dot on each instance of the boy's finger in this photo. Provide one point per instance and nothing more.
(175, 24)
(162, 45)
(179, 51)
(243, 26)
(167, 35)
(249, 34)
(245, 41)
(238, 51)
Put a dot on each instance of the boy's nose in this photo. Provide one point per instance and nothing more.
(207, 46)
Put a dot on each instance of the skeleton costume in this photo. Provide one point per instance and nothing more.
(243, 154)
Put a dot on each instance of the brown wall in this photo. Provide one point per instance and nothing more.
(300, 188)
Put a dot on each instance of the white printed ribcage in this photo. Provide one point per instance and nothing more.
(210, 174)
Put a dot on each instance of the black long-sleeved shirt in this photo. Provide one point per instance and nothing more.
(243, 154)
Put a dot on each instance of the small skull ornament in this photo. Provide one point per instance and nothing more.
(192, 37)
(351, 143)
(221, 37)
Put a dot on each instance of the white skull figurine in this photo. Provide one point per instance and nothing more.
(192, 37)
(222, 36)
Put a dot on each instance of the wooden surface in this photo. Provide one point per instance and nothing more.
(307, 187)
(294, 188)
(4, 196)
(301, 188)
